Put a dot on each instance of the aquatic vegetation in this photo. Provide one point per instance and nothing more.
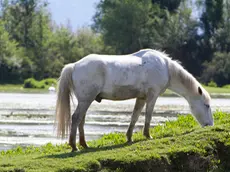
(180, 145)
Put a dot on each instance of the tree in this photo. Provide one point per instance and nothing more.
(11, 58)
(40, 33)
(218, 69)
(220, 39)
(132, 25)
(89, 42)
(31, 45)
(28, 23)
(123, 23)
(212, 17)
(170, 5)
(18, 15)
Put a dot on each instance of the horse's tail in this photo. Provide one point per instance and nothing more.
(63, 110)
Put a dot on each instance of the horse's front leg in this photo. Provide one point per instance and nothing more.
(136, 113)
(150, 103)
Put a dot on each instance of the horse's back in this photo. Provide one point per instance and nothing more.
(120, 77)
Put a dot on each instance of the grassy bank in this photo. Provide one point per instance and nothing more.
(10, 88)
(216, 92)
(176, 146)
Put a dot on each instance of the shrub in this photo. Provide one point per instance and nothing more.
(212, 84)
(32, 83)
(226, 86)
(218, 69)
(49, 81)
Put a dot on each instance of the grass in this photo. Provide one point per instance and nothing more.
(216, 92)
(9, 88)
(179, 145)
(217, 89)
(18, 88)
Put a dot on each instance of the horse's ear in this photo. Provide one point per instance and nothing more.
(199, 91)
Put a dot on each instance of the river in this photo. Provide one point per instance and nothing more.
(27, 119)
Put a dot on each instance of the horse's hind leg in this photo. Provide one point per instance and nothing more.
(77, 118)
(82, 134)
(136, 113)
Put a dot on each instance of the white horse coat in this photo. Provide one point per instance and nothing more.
(120, 77)
(143, 75)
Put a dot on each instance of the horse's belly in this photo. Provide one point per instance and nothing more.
(122, 93)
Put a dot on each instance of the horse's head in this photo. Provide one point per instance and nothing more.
(200, 107)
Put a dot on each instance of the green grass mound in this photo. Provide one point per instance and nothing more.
(181, 145)
(45, 83)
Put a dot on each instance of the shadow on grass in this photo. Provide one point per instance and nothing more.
(89, 150)
(105, 148)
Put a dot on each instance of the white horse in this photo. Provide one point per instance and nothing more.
(143, 75)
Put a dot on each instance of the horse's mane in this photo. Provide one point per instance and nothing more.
(178, 71)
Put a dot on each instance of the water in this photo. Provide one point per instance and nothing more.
(27, 119)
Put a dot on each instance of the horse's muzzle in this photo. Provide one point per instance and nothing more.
(208, 124)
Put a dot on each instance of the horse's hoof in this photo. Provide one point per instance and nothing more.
(74, 150)
(85, 146)
(129, 142)
(149, 137)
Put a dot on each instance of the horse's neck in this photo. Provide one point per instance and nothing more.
(180, 85)
(177, 87)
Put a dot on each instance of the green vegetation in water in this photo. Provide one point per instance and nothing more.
(180, 145)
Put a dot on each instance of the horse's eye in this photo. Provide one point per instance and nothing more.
(208, 106)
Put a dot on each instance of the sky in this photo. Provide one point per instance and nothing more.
(78, 12)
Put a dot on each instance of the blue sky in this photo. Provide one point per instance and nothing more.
(78, 12)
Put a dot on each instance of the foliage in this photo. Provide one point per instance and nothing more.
(123, 24)
(212, 84)
(33, 46)
(38, 48)
(18, 88)
(32, 83)
(226, 86)
(216, 40)
(179, 145)
(146, 24)
(11, 58)
(169, 26)
(172, 6)
(218, 69)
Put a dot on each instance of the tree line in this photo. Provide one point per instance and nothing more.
(197, 33)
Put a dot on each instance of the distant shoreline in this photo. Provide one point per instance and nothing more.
(215, 92)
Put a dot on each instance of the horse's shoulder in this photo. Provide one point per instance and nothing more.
(141, 52)
(92, 58)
